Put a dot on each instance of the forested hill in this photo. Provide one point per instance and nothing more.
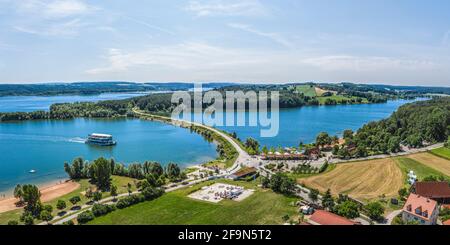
(90, 88)
(414, 125)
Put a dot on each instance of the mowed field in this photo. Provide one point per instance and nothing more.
(365, 181)
(438, 163)
(176, 208)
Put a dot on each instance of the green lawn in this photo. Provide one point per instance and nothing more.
(120, 182)
(263, 207)
(421, 170)
(307, 90)
(443, 152)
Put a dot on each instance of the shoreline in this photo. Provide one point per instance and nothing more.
(48, 193)
(41, 185)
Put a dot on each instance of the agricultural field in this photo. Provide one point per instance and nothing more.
(438, 163)
(263, 207)
(421, 170)
(443, 152)
(307, 90)
(365, 181)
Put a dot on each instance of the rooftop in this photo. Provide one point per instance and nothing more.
(322, 217)
(433, 189)
(420, 206)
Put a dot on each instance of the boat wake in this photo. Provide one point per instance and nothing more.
(48, 138)
(77, 140)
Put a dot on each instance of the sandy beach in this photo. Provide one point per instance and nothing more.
(47, 194)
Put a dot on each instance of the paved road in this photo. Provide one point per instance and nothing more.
(391, 216)
(243, 157)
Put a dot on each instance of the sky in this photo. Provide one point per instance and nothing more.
(402, 42)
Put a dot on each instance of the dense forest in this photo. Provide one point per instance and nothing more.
(412, 125)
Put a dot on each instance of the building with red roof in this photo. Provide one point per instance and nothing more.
(322, 217)
(420, 209)
(438, 191)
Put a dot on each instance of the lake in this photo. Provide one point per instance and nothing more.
(36, 103)
(304, 124)
(45, 145)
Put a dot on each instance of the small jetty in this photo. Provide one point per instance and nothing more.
(100, 139)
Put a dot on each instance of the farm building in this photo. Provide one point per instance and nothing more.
(438, 191)
(243, 173)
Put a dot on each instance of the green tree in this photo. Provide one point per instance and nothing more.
(129, 189)
(74, 200)
(252, 146)
(313, 195)
(113, 191)
(375, 211)
(97, 196)
(102, 173)
(265, 150)
(46, 216)
(403, 192)
(18, 193)
(281, 183)
(348, 209)
(323, 139)
(61, 205)
(32, 198)
(348, 134)
(327, 200)
(27, 218)
(173, 172)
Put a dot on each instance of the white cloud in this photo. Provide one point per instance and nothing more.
(273, 36)
(54, 8)
(59, 29)
(227, 8)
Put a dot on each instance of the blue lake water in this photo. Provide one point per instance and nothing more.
(36, 103)
(304, 124)
(45, 145)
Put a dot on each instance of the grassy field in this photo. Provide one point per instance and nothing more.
(438, 163)
(365, 181)
(263, 207)
(443, 152)
(421, 170)
(339, 99)
(120, 182)
(307, 90)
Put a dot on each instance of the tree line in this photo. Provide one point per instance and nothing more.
(100, 171)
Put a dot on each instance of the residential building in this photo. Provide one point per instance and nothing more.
(322, 217)
(420, 209)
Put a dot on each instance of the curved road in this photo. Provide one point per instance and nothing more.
(243, 157)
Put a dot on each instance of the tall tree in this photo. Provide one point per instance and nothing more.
(102, 173)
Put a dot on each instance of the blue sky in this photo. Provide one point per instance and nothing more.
(366, 41)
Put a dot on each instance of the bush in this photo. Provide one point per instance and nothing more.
(70, 222)
(130, 200)
(151, 193)
(102, 209)
(13, 222)
(85, 217)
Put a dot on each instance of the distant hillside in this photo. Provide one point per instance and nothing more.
(89, 88)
